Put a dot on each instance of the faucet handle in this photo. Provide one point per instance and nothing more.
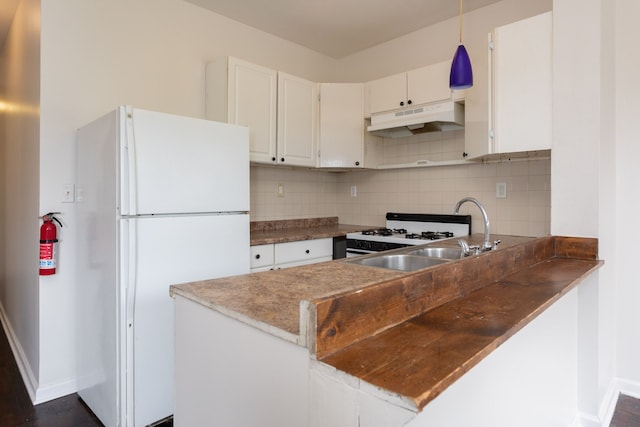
(495, 245)
(464, 246)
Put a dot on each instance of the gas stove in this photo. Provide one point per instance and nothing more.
(406, 229)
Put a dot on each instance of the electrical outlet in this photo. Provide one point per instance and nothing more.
(68, 193)
(354, 191)
(501, 190)
(280, 190)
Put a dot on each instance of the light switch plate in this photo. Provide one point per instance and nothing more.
(68, 193)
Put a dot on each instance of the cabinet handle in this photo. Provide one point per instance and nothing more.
(258, 256)
(409, 102)
(307, 251)
(357, 163)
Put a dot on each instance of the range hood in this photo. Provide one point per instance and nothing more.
(435, 117)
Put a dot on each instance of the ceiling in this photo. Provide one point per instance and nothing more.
(338, 28)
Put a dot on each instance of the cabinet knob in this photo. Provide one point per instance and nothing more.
(282, 159)
(357, 163)
(409, 102)
(273, 159)
(465, 154)
(258, 256)
(402, 103)
(307, 251)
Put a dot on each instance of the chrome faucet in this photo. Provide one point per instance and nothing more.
(487, 245)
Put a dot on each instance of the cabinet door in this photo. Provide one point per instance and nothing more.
(297, 121)
(261, 257)
(341, 125)
(303, 252)
(252, 102)
(387, 93)
(429, 84)
(521, 79)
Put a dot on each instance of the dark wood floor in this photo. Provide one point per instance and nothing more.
(627, 413)
(16, 409)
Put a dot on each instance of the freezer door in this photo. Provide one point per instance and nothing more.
(174, 164)
(165, 251)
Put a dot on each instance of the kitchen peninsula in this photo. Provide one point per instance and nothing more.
(341, 344)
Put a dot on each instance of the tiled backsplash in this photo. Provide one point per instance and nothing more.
(312, 193)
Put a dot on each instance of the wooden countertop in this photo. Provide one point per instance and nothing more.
(281, 231)
(412, 334)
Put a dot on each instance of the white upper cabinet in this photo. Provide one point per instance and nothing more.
(415, 87)
(341, 125)
(243, 93)
(280, 110)
(429, 84)
(520, 115)
(387, 93)
(297, 121)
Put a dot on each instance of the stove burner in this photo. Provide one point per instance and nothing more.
(435, 235)
(378, 232)
(413, 236)
(400, 230)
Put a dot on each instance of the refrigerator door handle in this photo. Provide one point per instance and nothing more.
(128, 158)
(129, 279)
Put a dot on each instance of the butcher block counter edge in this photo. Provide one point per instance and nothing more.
(292, 230)
(465, 310)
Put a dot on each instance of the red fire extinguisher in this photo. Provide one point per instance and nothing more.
(48, 244)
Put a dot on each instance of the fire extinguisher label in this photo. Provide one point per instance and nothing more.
(47, 255)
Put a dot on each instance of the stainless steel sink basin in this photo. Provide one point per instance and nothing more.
(402, 262)
(435, 252)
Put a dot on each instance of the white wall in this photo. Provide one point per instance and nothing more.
(627, 153)
(19, 181)
(593, 186)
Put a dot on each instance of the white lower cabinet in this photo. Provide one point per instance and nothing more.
(290, 254)
(261, 258)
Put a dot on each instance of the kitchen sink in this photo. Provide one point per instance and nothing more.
(435, 252)
(402, 262)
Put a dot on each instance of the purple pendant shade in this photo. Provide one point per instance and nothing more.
(461, 76)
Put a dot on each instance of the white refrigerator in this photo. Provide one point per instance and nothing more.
(161, 200)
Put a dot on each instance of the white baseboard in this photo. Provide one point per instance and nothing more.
(616, 387)
(37, 393)
(30, 381)
(46, 393)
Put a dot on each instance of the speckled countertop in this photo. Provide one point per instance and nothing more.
(281, 231)
(270, 300)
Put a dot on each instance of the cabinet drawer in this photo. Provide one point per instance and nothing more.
(303, 250)
(261, 256)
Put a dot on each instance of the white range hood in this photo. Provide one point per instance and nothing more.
(435, 117)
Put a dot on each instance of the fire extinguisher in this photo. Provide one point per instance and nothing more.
(48, 244)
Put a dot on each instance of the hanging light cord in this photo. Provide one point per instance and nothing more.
(460, 21)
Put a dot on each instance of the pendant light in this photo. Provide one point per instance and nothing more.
(461, 76)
